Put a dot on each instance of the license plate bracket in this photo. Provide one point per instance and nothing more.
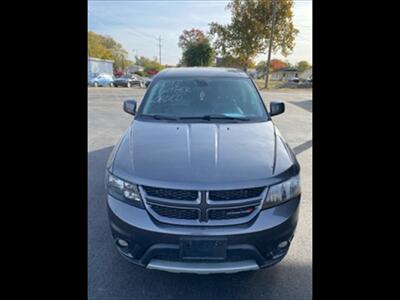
(203, 248)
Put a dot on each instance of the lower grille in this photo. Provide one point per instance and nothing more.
(176, 213)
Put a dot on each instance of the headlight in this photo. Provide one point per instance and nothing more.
(123, 190)
(280, 193)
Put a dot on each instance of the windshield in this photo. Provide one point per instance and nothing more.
(203, 98)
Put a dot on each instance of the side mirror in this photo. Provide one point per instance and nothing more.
(130, 106)
(276, 108)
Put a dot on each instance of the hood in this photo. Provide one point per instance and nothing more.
(200, 155)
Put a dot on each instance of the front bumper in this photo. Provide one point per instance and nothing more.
(250, 246)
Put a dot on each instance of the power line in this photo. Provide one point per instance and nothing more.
(130, 31)
(152, 36)
(135, 32)
(101, 22)
(146, 35)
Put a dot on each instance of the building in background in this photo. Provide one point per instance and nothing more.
(306, 74)
(284, 74)
(135, 68)
(98, 65)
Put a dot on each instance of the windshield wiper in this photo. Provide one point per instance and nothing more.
(215, 117)
(160, 117)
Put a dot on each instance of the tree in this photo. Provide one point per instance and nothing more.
(260, 67)
(198, 54)
(148, 64)
(277, 64)
(96, 47)
(289, 64)
(191, 36)
(229, 61)
(106, 47)
(303, 65)
(250, 29)
(274, 65)
(196, 47)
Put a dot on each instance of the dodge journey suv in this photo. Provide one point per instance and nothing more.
(202, 181)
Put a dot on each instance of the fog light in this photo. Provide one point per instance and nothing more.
(282, 244)
(122, 243)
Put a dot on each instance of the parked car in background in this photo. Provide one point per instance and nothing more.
(102, 80)
(151, 72)
(91, 76)
(148, 81)
(118, 73)
(305, 83)
(142, 79)
(129, 81)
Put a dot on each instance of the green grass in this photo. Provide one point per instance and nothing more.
(272, 84)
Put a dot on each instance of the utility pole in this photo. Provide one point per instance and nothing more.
(135, 54)
(159, 49)
(270, 42)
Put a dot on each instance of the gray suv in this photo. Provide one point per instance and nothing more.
(202, 181)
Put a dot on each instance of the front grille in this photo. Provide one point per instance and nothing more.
(171, 193)
(232, 213)
(227, 195)
(175, 213)
(191, 207)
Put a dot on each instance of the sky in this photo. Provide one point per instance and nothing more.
(138, 24)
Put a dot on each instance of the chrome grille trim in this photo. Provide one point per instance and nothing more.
(203, 267)
(180, 203)
(205, 205)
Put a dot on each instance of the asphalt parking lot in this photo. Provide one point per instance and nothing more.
(112, 277)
